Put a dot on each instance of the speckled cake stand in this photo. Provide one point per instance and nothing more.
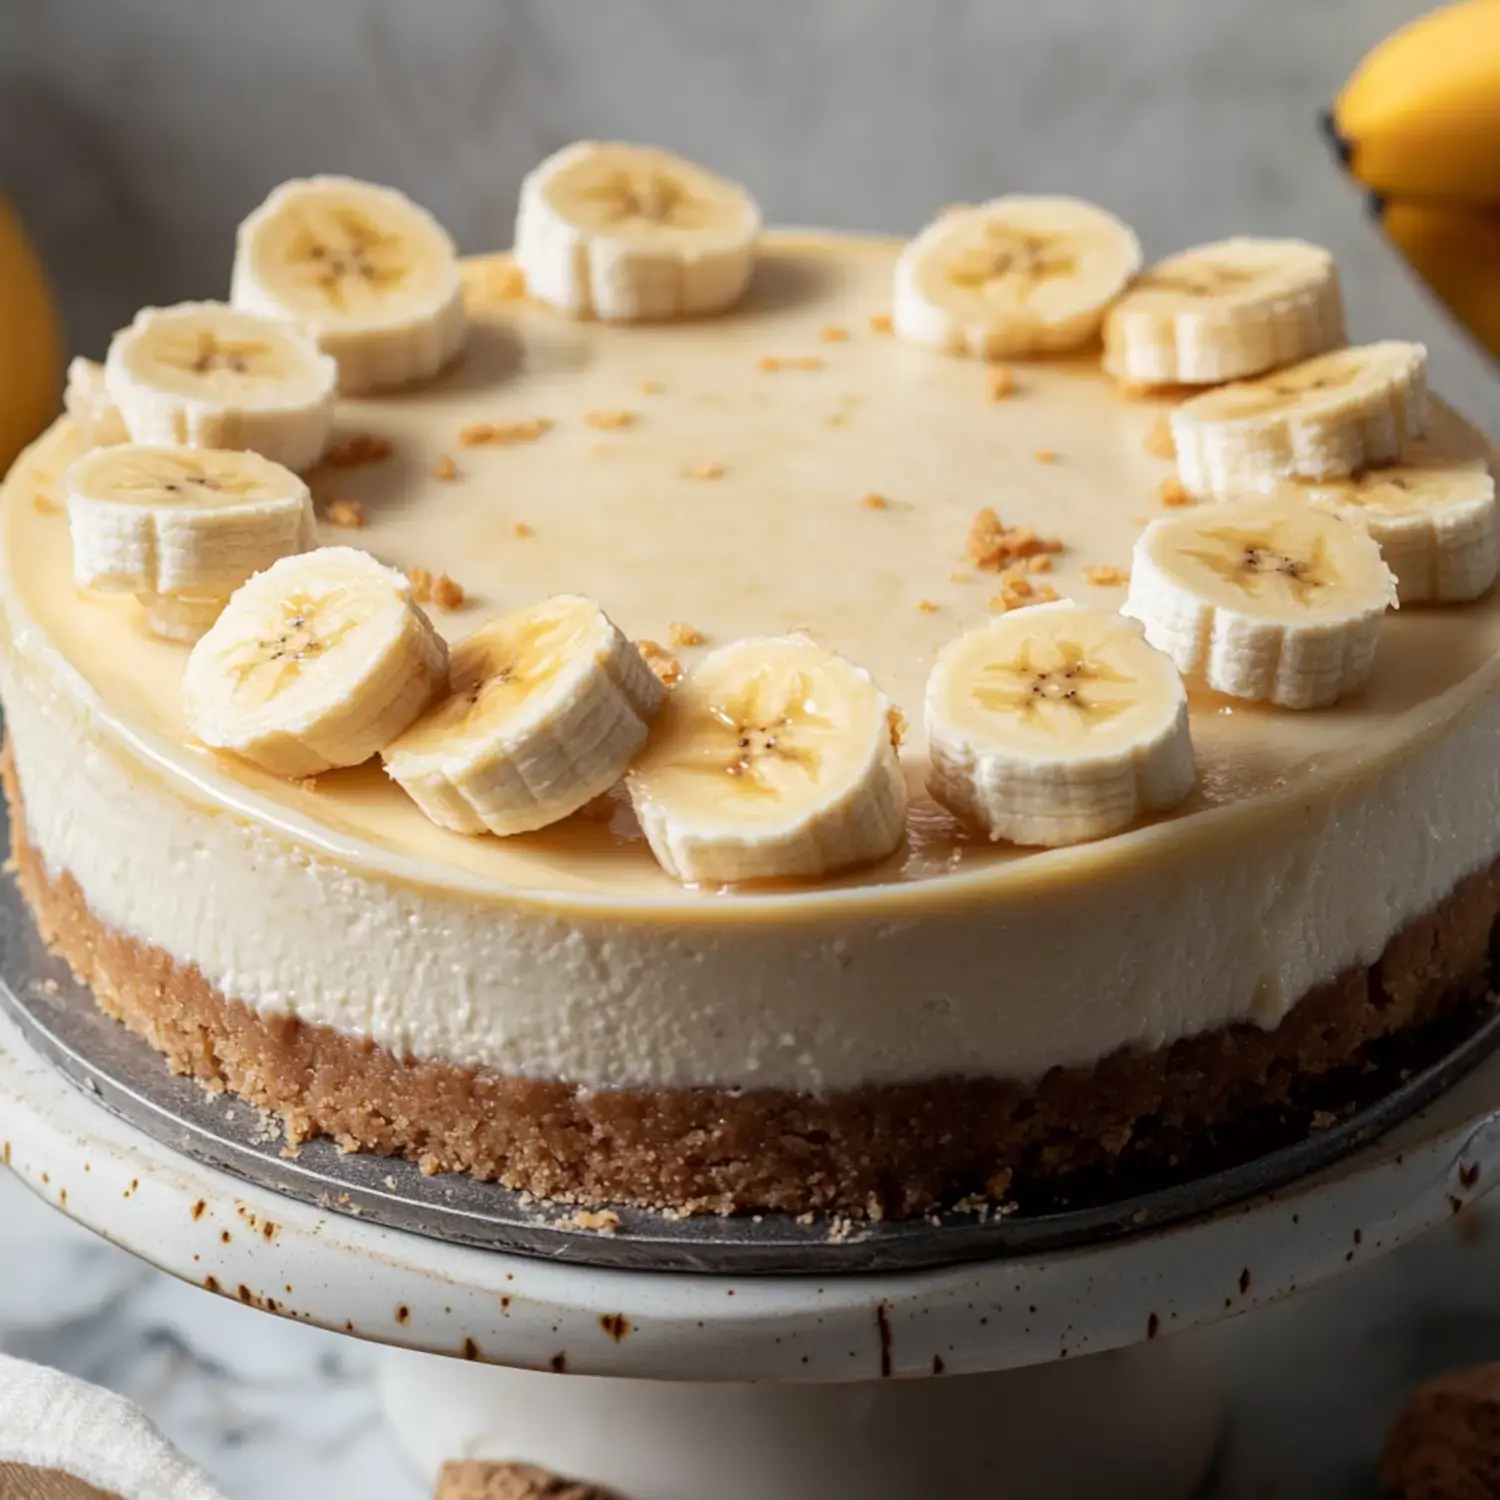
(1046, 1374)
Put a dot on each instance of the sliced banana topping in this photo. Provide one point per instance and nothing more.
(632, 233)
(1013, 277)
(87, 402)
(545, 708)
(1432, 512)
(373, 277)
(204, 375)
(1265, 598)
(772, 758)
(1322, 419)
(1224, 312)
(182, 528)
(319, 662)
(1056, 724)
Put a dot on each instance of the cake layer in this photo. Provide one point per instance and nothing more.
(818, 993)
(873, 1150)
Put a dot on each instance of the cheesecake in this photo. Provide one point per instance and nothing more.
(897, 779)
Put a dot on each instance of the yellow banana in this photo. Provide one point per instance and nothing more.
(1455, 249)
(1421, 115)
(30, 341)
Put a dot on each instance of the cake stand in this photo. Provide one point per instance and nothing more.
(1040, 1372)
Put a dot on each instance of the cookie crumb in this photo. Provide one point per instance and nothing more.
(1446, 1439)
(959, 576)
(502, 434)
(652, 388)
(356, 450)
(881, 323)
(837, 419)
(681, 634)
(45, 505)
(446, 593)
(661, 661)
(1002, 382)
(610, 420)
(1106, 575)
(773, 362)
(927, 607)
(349, 513)
(421, 584)
(1158, 441)
(991, 545)
(444, 468)
(601, 1221)
(897, 720)
(1172, 494)
(704, 471)
(522, 529)
(833, 334)
(1045, 456)
(873, 501)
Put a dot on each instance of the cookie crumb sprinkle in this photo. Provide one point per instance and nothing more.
(347, 513)
(1002, 382)
(523, 530)
(503, 434)
(652, 388)
(444, 468)
(874, 501)
(897, 721)
(773, 362)
(356, 450)
(421, 584)
(685, 635)
(881, 323)
(1106, 575)
(610, 420)
(661, 661)
(833, 334)
(704, 471)
(1172, 494)
(446, 593)
(927, 607)
(991, 545)
(1045, 456)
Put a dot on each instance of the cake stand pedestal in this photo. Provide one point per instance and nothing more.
(776, 1387)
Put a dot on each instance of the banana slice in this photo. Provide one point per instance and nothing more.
(87, 402)
(545, 708)
(1322, 419)
(1225, 312)
(181, 528)
(631, 233)
(320, 661)
(1013, 277)
(1056, 724)
(1432, 513)
(373, 277)
(1265, 598)
(772, 758)
(203, 375)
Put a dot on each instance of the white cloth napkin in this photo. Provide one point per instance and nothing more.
(51, 1422)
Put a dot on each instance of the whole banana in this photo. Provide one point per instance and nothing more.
(1418, 124)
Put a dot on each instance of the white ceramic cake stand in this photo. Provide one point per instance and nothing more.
(1027, 1377)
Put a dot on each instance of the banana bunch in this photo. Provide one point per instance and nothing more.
(1418, 125)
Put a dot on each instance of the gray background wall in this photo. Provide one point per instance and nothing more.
(135, 133)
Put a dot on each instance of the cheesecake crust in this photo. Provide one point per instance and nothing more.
(881, 1151)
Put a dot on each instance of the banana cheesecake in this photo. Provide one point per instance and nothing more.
(721, 719)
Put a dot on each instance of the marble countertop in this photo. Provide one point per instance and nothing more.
(274, 1409)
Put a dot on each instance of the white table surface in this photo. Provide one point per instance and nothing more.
(276, 1410)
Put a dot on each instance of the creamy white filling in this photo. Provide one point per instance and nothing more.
(1060, 972)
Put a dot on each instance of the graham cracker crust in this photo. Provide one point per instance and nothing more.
(888, 1150)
